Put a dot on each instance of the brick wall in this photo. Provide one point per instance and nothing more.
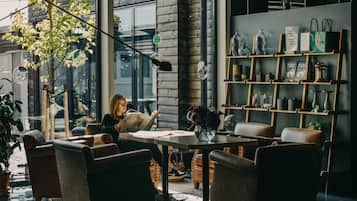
(179, 28)
(167, 82)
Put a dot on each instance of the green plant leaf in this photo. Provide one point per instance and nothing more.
(19, 125)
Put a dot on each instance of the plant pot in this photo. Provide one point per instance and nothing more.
(4, 184)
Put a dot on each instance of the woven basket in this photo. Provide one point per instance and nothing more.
(196, 170)
(155, 173)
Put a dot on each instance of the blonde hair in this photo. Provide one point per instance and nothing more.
(113, 104)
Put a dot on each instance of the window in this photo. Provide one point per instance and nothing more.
(134, 76)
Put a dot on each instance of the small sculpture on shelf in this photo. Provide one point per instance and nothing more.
(258, 77)
(256, 100)
(291, 104)
(260, 42)
(245, 73)
(268, 77)
(326, 101)
(266, 100)
(281, 103)
(314, 105)
(242, 47)
(234, 44)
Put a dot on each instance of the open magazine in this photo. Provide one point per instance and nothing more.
(134, 121)
(157, 134)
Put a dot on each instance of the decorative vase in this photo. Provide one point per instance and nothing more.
(200, 133)
(326, 101)
(314, 104)
(210, 135)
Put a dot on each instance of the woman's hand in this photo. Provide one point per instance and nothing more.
(119, 125)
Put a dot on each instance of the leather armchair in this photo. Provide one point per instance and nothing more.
(262, 131)
(301, 135)
(113, 176)
(41, 161)
(278, 172)
(42, 165)
(94, 128)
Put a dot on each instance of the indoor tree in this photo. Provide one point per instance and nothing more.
(57, 40)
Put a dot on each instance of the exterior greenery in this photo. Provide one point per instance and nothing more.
(9, 109)
(54, 37)
(57, 40)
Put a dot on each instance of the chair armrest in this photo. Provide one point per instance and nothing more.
(232, 161)
(93, 140)
(104, 150)
(44, 150)
(132, 158)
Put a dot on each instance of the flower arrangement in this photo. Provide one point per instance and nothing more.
(204, 117)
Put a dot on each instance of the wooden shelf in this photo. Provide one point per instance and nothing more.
(254, 82)
(286, 82)
(284, 111)
(289, 55)
(237, 57)
(315, 113)
(256, 109)
(262, 56)
(235, 82)
(321, 53)
(302, 87)
(328, 82)
(233, 107)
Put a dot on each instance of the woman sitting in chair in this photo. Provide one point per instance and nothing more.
(115, 122)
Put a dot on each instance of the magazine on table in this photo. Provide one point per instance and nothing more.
(158, 134)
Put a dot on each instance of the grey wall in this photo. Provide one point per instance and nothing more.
(274, 23)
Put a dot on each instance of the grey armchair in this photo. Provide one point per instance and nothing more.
(278, 172)
(85, 175)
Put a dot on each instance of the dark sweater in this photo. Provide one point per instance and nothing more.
(127, 145)
(108, 124)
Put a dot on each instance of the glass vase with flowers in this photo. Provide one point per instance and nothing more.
(205, 122)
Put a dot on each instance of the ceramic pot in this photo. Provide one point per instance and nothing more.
(4, 184)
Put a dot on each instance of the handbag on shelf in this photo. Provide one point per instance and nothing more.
(305, 36)
(325, 40)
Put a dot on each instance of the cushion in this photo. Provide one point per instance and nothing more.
(78, 130)
(253, 129)
(301, 135)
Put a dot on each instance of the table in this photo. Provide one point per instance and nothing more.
(190, 142)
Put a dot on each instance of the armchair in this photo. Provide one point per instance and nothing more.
(113, 176)
(40, 154)
(42, 165)
(94, 128)
(301, 135)
(278, 172)
(265, 133)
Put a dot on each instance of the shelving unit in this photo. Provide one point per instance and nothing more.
(278, 82)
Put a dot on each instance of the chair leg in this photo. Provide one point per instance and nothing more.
(196, 185)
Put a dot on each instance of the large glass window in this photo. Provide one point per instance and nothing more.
(134, 76)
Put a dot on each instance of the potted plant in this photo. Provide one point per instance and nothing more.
(314, 125)
(9, 109)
